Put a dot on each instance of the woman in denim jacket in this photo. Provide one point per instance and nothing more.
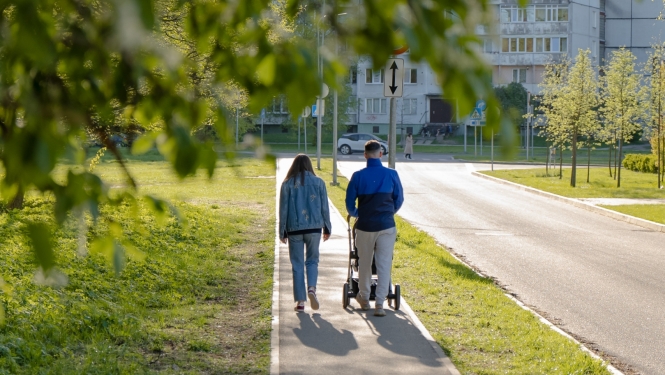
(303, 213)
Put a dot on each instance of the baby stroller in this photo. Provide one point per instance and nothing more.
(351, 287)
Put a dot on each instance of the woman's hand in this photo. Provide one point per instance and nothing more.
(325, 237)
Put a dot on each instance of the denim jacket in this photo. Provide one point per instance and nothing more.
(303, 206)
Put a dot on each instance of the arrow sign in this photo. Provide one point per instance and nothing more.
(393, 78)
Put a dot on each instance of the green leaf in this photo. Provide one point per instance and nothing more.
(265, 71)
(40, 237)
(144, 143)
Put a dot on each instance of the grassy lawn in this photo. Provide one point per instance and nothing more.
(476, 324)
(652, 212)
(200, 301)
(601, 185)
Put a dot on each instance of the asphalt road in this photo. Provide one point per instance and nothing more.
(597, 278)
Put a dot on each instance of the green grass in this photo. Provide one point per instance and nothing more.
(652, 212)
(601, 185)
(200, 301)
(476, 324)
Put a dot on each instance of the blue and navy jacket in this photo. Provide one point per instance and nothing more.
(379, 194)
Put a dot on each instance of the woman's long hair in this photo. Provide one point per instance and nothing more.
(300, 164)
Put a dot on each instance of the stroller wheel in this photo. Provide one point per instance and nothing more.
(397, 297)
(345, 296)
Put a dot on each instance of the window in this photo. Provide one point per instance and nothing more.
(353, 76)
(551, 13)
(488, 46)
(278, 105)
(519, 75)
(410, 106)
(375, 129)
(594, 21)
(517, 44)
(375, 105)
(552, 44)
(373, 76)
(411, 76)
(514, 14)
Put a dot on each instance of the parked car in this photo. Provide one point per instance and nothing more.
(355, 142)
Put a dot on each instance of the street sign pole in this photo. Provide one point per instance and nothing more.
(392, 138)
(334, 150)
(528, 103)
(393, 88)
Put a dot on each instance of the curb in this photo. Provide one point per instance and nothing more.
(577, 203)
(274, 335)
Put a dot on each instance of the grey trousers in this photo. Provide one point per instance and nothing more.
(381, 245)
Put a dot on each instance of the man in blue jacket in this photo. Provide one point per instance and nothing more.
(378, 191)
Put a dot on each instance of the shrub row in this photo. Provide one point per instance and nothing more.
(646, 163)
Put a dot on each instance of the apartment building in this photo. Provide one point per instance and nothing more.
(518, 45)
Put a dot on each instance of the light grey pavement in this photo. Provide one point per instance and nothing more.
(333, 340)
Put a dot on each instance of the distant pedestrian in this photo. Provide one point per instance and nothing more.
(408, 146)
(303, 214)
(378, 191)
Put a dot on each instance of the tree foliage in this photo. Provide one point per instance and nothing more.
(513, 98)
(72, 68)
(655, 94)
(622, 110)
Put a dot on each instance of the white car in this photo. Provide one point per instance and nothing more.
(355, 142)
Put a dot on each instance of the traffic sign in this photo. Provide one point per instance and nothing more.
(315, 112)
(394, 78)
(481, 105)
(476, 114)
(306, 112)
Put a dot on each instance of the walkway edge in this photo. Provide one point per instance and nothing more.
(274, 335)
(577, 203)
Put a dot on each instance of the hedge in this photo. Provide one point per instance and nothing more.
(646, 163)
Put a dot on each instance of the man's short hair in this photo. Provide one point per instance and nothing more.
(372, 146)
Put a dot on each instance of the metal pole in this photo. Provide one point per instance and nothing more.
(299, 133)
(392, 137)
(236, 126)
(475, 141)
(304, 120)
(262, 117)
(528, 101)
(465, 137)
(492, 149)
(481, 141)
(334, 149)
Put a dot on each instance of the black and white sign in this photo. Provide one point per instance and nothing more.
(393, 81)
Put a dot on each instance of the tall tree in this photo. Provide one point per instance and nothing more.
(654, 69)
(70, 65)
(621, 99)
(513, 98)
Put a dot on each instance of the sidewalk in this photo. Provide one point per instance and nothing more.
(334, 340)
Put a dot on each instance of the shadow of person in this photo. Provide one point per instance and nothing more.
(319, 334)
(398, 334)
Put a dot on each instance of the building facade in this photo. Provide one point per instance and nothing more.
(517, 46)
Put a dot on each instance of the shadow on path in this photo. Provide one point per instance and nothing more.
(316, 332)
(391, 331)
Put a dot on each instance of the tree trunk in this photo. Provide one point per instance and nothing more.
(573, 170)
(618, 175)
(588, 164)
(561, 164)
(615, 158)
(17, 202)
(609, 160)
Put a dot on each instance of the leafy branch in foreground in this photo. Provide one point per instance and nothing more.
(72, 69)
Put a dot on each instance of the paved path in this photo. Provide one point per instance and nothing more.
(333, 340)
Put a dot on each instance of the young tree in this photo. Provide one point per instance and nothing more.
(621, 109)
(654, 69)
(513, 98)
(555, 121)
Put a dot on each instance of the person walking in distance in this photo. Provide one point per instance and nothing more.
(303, 213)
(408, 146)
(378, 192)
